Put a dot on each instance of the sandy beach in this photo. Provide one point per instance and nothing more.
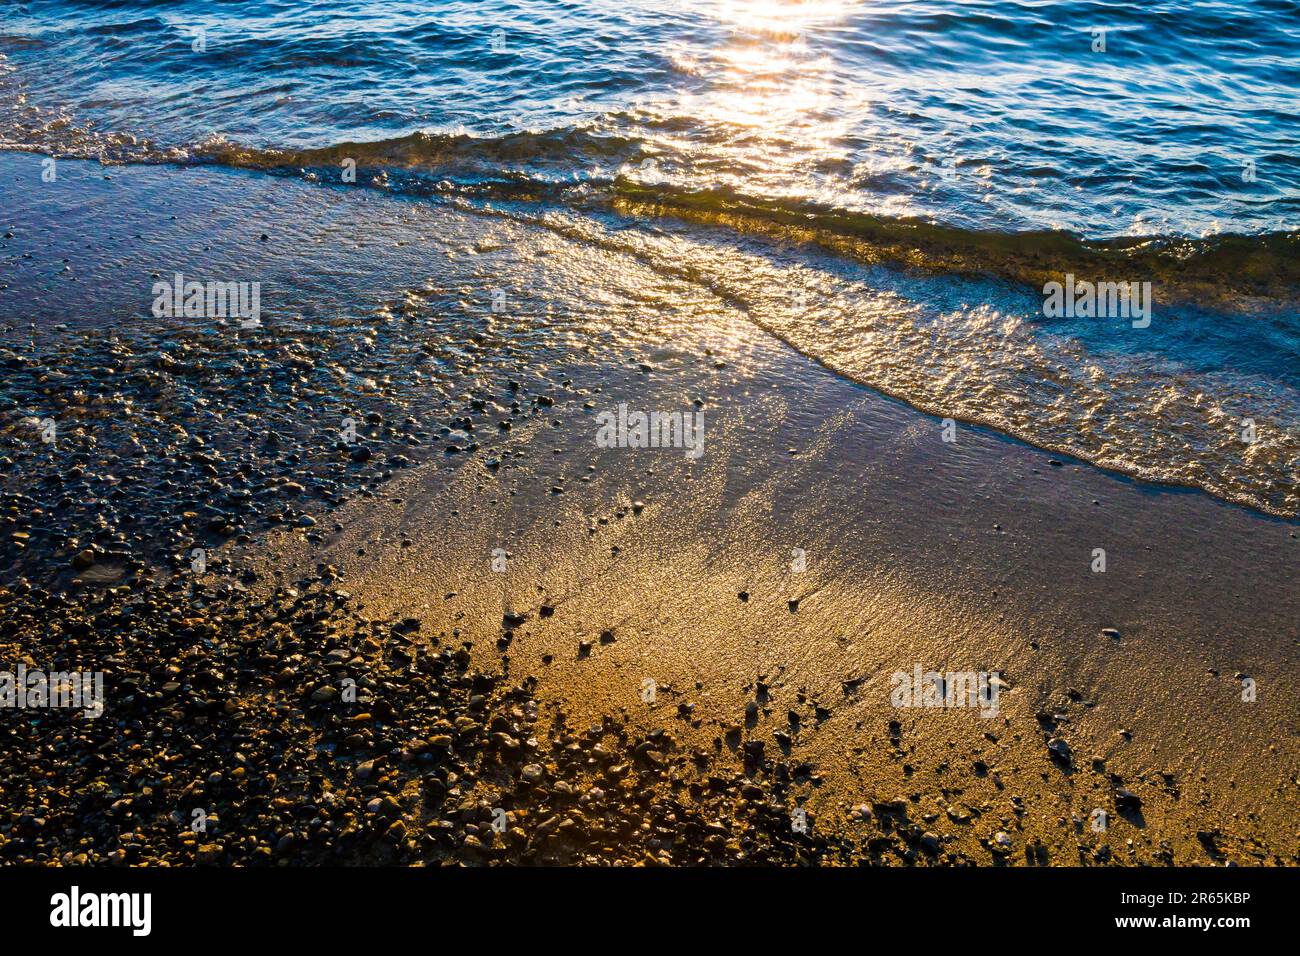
(429, 600)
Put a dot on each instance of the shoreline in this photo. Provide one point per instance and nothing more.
(967, 556)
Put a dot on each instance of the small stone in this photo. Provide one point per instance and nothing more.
(1127, 800)
(210, 853)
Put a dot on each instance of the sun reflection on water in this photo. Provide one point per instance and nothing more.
(769, 105)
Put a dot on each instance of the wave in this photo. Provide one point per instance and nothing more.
(1218, 268)
(591, 167)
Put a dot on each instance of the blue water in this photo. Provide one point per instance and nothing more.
(991, 115)
(761, 147)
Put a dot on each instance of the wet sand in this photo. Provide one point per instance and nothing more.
(968, 557)
(627, 565)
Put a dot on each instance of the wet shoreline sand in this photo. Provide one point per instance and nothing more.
(973, 555)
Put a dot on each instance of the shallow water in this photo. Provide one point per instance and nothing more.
(788, 156)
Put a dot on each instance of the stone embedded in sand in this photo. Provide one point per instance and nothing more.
(1127, 800)
(1110, 632)
(1060, 750)
(898, 805)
